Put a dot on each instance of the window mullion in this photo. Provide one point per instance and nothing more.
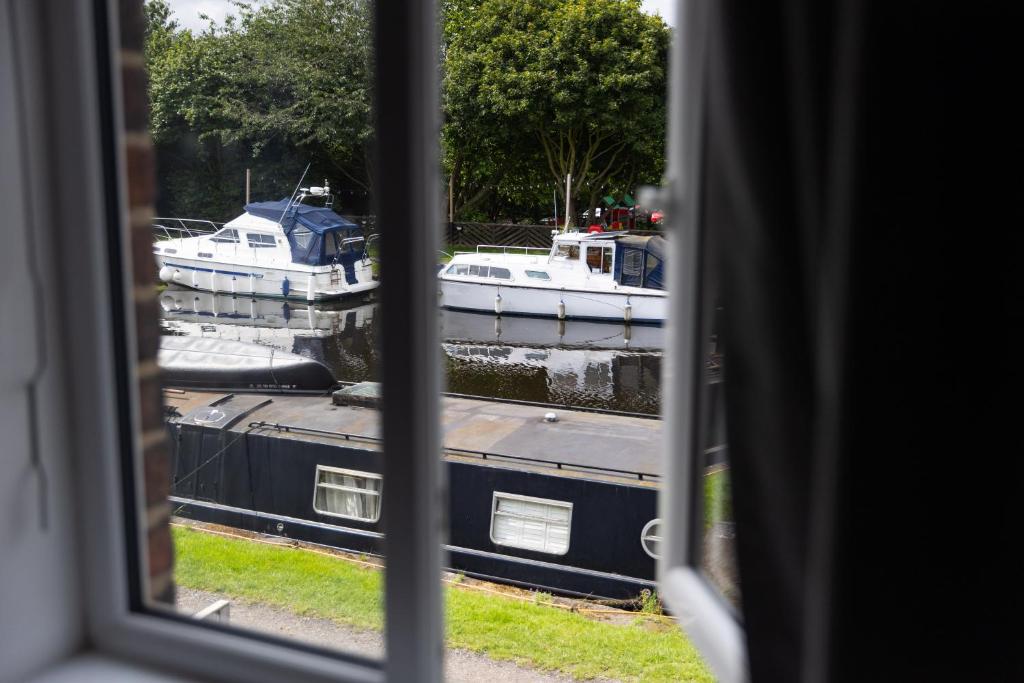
(408, 214)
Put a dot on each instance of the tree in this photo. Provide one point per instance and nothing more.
(285, 84)
(582, 81)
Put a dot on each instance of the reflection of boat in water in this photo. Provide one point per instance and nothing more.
(466, 326)
(286, 325)
(602, 276)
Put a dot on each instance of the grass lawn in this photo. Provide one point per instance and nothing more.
(531, 633)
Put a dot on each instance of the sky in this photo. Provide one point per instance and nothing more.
(187, 11)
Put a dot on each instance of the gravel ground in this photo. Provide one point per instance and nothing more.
(461, 666)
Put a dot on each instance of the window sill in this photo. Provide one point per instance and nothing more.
(90, 667)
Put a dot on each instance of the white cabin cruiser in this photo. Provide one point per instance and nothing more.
(283, 249)
(589, 276)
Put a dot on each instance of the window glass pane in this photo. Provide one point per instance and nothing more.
(348, 494)
(269, 355)
(226, 236)
(501, 273)
(531, 524)
(538, 275)
(568, 251)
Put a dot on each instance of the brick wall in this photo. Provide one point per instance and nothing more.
(138, 160)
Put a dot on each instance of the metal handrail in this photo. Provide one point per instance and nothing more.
(199, 228)
(506, 249)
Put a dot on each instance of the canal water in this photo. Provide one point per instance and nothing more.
(575, 363)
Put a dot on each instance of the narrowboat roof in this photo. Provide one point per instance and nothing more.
(579, 443)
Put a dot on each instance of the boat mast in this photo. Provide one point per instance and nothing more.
(280, 221)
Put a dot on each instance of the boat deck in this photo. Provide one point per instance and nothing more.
(579, 443)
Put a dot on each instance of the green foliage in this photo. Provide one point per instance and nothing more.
(649, 602)
(285, 84)
(577, 86)
(537, 635)
(531, 90)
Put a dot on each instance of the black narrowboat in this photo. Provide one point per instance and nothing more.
(565, 503)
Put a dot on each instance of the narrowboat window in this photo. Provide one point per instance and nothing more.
(538, 275)
(257, 240)
(531, 523)
(568, 251)
(226, 235)
(501, 273)
(650, 538)
(347, 493)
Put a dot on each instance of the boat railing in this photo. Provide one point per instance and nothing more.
(483, 455)
(506, 250)
(181, 228)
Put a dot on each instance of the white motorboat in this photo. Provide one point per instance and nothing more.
(589, 276)
(285, 249)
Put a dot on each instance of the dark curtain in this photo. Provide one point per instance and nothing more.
(853, 206)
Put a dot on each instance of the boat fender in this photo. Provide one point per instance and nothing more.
(167, 273)
(285, 286)
(310, 288)
(177, 275)
(627, 335)
(561, 310)
(497, 304)
(195, 279)
(627, 313)
(213, 281)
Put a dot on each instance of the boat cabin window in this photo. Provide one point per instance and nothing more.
(599, 259)
(257, 240)
(347, 493)
(458, 269)
(303, 238)
(538, 275)
(650, 538)
(531, 523)
(501, 273)
(226, 235)
(569, 252)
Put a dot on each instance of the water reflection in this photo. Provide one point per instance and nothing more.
(599, 365)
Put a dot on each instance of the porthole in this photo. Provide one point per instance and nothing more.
(650, 538)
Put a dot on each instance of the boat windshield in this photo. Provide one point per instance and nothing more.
(568, 252)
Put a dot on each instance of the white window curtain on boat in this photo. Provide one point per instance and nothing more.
(347, 494)
(531, 523)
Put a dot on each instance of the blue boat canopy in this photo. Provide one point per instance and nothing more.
(641, 262)
(316, 234)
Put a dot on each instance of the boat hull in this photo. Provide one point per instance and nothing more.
(312, 284)
(548, 302)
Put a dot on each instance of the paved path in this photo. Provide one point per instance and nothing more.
(461, 666)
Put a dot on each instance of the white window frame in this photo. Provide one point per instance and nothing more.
(376, 493)
(499, 495)
(706, 617)
(75, 62)
(72, 96)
